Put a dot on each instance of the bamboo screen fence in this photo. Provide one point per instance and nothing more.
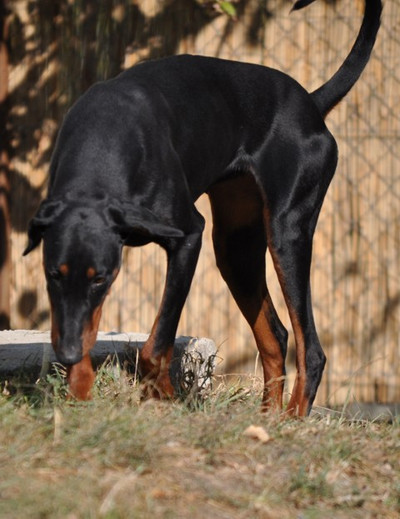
(59, 48)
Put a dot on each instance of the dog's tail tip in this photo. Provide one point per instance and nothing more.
(299, 4)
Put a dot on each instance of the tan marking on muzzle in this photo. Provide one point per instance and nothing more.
(81, 375)
(90, 330)
(80, 378)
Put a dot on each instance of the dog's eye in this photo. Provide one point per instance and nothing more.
(55, 275)
(98, 281)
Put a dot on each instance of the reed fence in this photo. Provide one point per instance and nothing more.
(59, 48)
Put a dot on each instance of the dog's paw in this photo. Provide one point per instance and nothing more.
(159, 387)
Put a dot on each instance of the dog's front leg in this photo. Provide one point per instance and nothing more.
(157, 353)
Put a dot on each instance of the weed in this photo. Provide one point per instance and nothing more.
(306, 484)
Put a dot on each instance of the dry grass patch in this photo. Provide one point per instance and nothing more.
(118, 458)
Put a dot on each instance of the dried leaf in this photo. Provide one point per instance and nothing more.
(258, 433)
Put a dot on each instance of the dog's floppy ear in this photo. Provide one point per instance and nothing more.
(46, 214)
(138, 225)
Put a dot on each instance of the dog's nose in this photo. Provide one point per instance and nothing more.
(69, 356)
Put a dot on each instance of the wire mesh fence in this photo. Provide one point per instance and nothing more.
(356, 266)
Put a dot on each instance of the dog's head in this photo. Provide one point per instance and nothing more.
(81, 257)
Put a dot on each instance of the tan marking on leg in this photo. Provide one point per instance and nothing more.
(298, 403)
(257, 313)
(146, 353)
(270, 353)
(271, 359)
(163, 387)
(155, 372)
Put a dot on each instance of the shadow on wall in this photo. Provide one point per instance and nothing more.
(71, 45)
(56, 51)
(27, 308)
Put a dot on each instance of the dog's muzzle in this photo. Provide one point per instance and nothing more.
(68, 355)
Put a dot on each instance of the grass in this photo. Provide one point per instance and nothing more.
(117, 457)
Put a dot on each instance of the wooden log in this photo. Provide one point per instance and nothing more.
(29, 354)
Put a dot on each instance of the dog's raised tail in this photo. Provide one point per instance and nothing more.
(330, 93)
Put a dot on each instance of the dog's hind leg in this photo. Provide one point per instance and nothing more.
(294, 198)
(240, 245)
(292, 263)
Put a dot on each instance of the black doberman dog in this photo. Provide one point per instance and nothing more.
(131, 158)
